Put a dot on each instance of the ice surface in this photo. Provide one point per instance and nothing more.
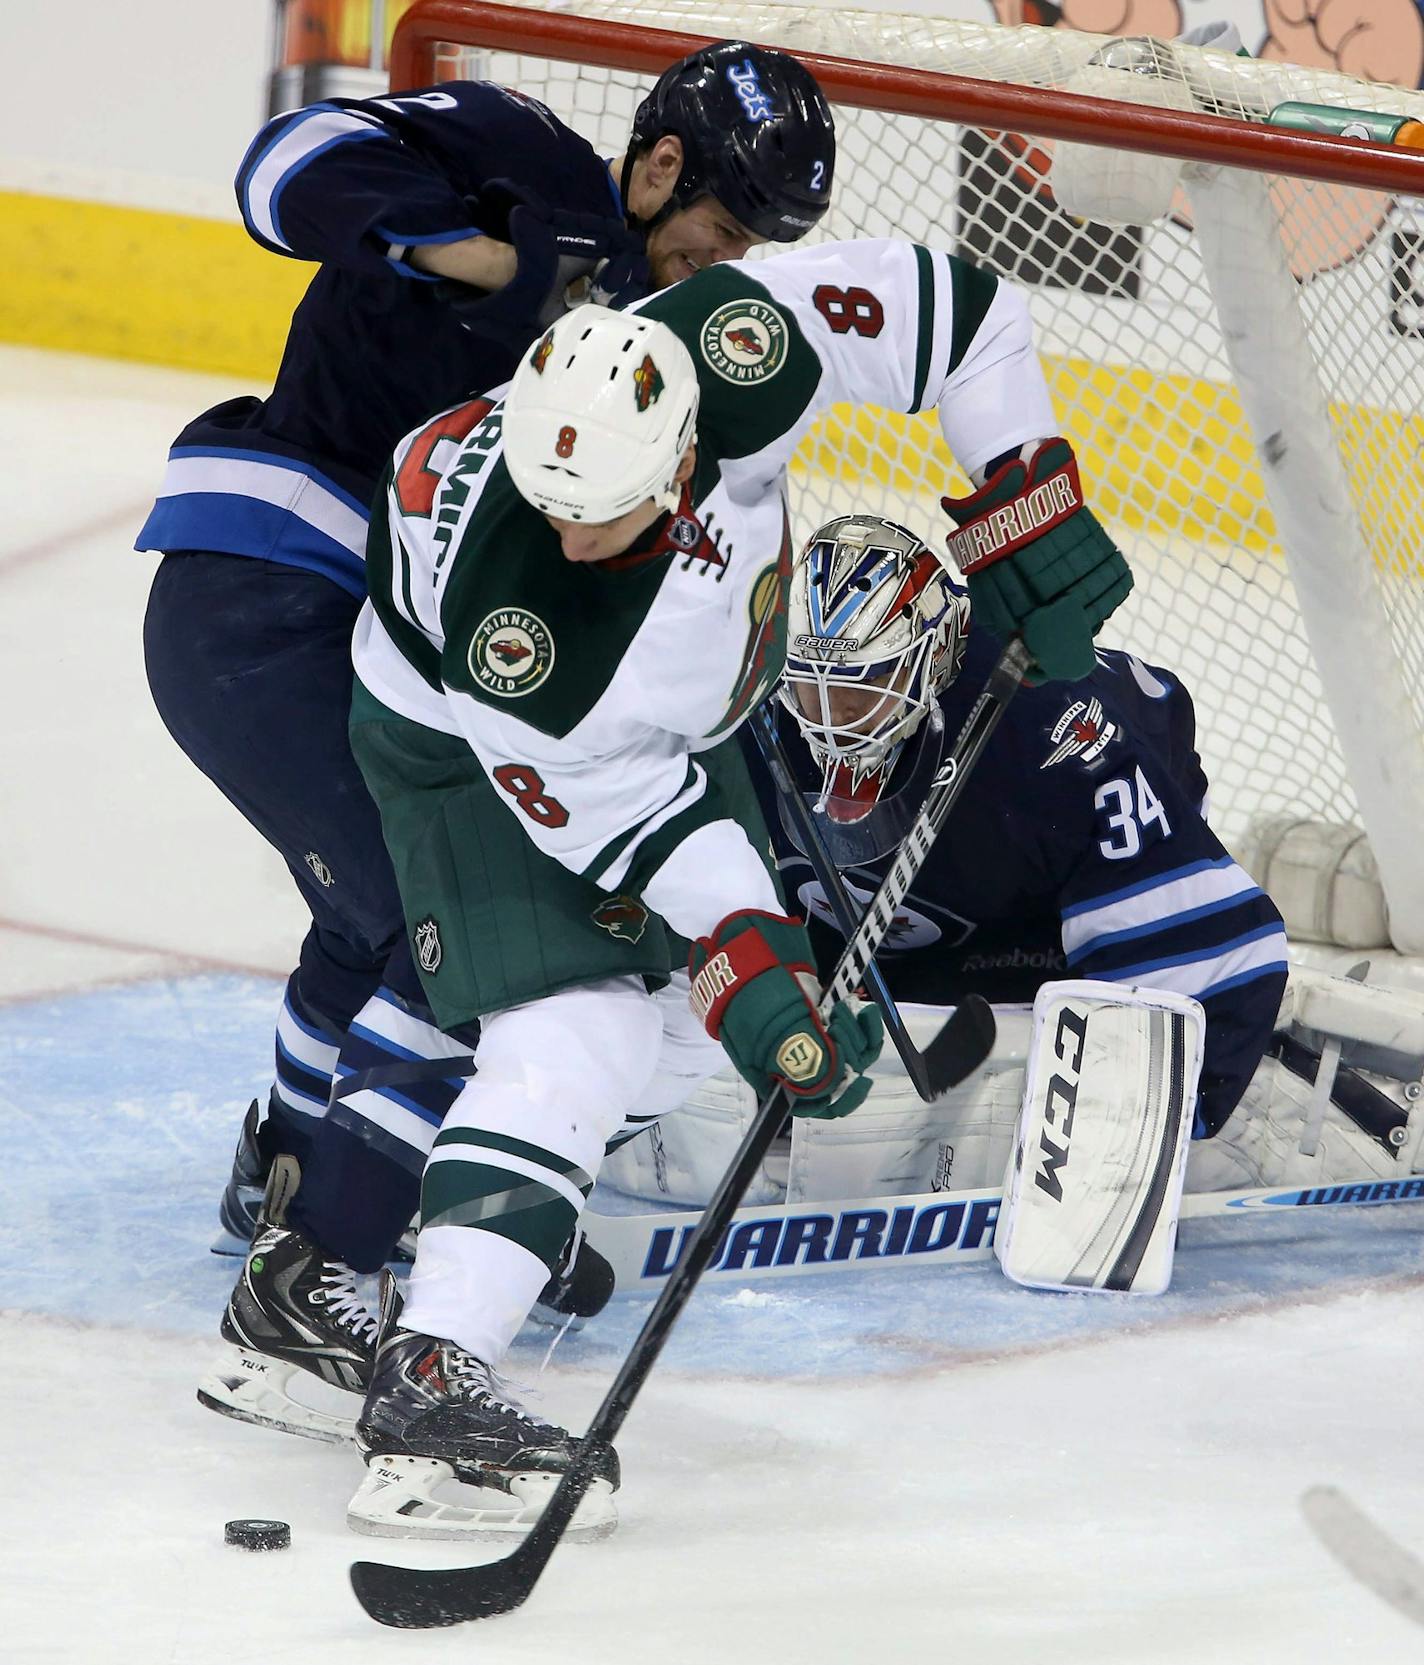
(890, 1466)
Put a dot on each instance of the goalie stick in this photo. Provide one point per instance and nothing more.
(927, 1069)
(905, 1232)
(417, 1598)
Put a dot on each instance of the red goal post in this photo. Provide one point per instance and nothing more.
(1240, 366)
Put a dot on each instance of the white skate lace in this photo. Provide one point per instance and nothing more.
(467, 1375)
(342, 1301)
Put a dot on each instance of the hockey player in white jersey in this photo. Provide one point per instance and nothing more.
(578, 593)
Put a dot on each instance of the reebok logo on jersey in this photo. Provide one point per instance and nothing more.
(745, 341)
(1082, 731)
(511, 653)
(319, 867)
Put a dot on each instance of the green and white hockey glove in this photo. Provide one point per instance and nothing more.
(754, 988)
(1037, 560)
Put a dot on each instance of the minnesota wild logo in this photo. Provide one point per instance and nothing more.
(540, 356)
(511, 653)
(647, 383)
(621, 917)
(745, 341)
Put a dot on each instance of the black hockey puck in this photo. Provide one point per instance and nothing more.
(258, 1534)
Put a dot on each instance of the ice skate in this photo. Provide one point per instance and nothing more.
(300, 1342)
(242, 1199)
(435, 1419)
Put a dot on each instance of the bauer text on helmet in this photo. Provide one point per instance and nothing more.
(599, 416)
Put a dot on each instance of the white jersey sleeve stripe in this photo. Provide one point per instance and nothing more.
(1176, 899)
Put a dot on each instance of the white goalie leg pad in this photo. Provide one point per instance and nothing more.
(1339, 1098)
(682, 1158)
(896, 1145)
(1095, 1185)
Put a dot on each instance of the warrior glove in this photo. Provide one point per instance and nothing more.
(1037, 561)
(754, 988)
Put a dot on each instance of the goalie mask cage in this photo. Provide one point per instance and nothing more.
(1241, 371)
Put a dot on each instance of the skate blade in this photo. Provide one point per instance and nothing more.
(396, 1500)
(228, 1243)
(250, 1388)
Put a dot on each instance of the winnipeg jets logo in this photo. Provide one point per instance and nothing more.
(1082, 731)
(748, 89)
(647, 383)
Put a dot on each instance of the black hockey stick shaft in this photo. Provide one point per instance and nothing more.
(419, 1598)
(847, 915)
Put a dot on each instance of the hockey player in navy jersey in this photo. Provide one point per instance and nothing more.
(450, 225)
(1079, 848)
(1077, 859)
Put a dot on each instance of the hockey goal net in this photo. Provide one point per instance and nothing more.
(1241, 371)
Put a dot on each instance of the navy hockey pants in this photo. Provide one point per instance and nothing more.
(249, 664)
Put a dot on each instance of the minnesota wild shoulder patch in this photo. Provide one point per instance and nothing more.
(745, 341)
(511, 653)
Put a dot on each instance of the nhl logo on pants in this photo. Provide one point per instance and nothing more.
(426, 937)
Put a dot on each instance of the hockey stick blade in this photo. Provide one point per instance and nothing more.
(423, 1598)
(961, 1046)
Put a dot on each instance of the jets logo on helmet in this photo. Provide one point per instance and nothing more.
(647, 383)
(754, 101)
(756, 134)
(877, 629)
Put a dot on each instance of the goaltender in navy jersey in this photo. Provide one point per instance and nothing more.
(1077, 850)
(356, 185)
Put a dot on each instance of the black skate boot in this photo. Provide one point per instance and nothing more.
(242, 1199)
(435, 1413)
(293, 1314)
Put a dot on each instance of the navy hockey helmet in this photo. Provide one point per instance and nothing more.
(756, 133)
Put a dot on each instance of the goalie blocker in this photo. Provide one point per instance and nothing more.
(1095, 1182)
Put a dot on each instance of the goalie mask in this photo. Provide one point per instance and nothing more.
(877, 630)
(599, 414)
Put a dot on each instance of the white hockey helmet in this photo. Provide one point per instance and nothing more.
(599, 414)
(877, 628)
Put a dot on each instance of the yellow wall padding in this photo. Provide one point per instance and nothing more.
(130, 283)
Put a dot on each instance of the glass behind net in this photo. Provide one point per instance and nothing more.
(1134, 358)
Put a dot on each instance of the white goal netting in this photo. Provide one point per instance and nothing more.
(1260, 309)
